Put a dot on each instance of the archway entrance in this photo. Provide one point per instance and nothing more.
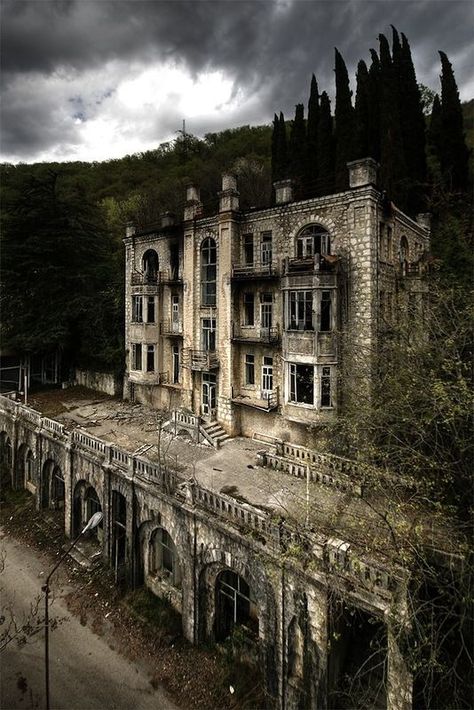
(53, 487)
(235, 605)
(85, 503)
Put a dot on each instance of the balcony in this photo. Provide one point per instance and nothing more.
(200, 360)
(266, 401)
(167, 276)
(257, 270)
(171, 328)
(250, 334)
(311, 272)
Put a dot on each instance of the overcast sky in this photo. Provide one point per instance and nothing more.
(98, 79)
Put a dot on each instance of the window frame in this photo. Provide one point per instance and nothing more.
(209, 272)
(249, 363)
(293, 384)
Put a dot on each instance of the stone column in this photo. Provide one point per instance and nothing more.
(399, 678)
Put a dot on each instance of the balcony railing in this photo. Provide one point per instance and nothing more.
(171, 327)
(256, 270)
(167, 276)
(250, 334)
(201, 360)
(265, 400)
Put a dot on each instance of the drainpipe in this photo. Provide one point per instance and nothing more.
(283, 640)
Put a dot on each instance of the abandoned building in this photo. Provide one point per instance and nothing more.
(240, 318)
(235, 324)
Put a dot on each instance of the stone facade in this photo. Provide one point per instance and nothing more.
(249, 310)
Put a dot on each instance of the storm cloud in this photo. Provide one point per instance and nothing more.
(98, 78)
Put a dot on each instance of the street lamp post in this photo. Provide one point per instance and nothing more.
(93, 523)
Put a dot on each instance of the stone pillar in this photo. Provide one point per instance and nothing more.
(190, 289)
(399, 678)
(193, 207)
(229, 196)
(68, 488)
(362, 172)
(283, 191)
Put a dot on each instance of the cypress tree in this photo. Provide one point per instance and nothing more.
(344, 118)
(298, 152)
(282, 149)
(435, 130)
(454, 154)
(374, 106)
(312, 138)
(326, 148)
(412, 122)
(362, 149)
(392, 164)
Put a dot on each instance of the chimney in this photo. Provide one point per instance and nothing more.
(193, 207)
(168, 219)
(283, 191)
(229, 196)
(129, 229)
(424, 220)
(362, 172)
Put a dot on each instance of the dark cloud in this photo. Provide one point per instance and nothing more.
(268, 49)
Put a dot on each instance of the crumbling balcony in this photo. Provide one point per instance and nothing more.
(257, 270)
(250, 334)
(264, 400)
(171, 328)
(312, 272)
(200, 360)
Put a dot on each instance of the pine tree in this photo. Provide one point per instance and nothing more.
(412, 122)
(312, 139)
(454, 154)
(392, 164)
(362, 149)
(344, 118)
(374, 106)
(298, 152)
(326, 147)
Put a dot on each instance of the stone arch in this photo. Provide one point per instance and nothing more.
(314, 218)
(235, 605)
(163, 557)
(313, 238)
(6, 458)
(160, 562)
(19, 471)
(52, 486)
(86, 502)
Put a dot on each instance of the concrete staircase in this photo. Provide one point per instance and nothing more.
(214, 433)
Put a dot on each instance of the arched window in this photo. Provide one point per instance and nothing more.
(150, 265)
(57, 489)
(163, 558)
(312, 240)
(208, 272)
(30, 463)
(234, 605)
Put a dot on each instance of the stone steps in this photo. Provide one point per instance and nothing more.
(216, 433)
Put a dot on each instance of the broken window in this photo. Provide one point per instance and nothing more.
(150, 266)
(301, 383)
(266, 246)
(150, 358)
(248, 249)
(326, 387)
(312, 240)
(300, 315)
(208, 272)
(150, 309)
(249, 369)
(136, 356)
(137, 309)
(163, 559)
(325, 324)
(249, 309)
(234, 605)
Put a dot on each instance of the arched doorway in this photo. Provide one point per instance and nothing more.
(86, 502)
(235, 605)
(53, 487)
(19, 469)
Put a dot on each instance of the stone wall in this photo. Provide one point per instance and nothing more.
(101, 381)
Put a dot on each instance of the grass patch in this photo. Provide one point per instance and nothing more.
(158, 614)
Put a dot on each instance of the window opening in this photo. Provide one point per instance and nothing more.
(208, 334)
(267, 375)
(312, 240)
(137, 309)
(326, 387)
(150, 265)
(29, 466)
(266, 310)
(150, 309)
(136, 356)
(163, 557)
(150, 358)
(249, 369)
(301, 383)
(325, 324)
(249, 309)
(175, 364)
(208, 272)
(248, 249)
(301, 310)
(234, 605)
(266, 246)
